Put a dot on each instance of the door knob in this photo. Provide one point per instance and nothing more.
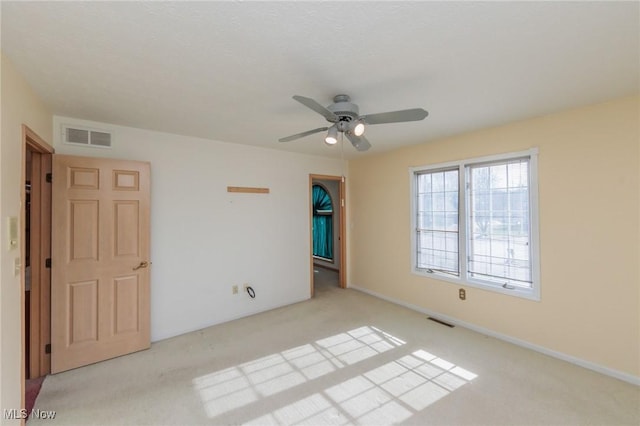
(142, 264)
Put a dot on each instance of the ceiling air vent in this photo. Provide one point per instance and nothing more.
(86, 137)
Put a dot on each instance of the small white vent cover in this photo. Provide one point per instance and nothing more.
(87, 137)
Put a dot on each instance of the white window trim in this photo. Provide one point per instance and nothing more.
(463, 279)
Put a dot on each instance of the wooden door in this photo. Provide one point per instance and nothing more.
(100, 258)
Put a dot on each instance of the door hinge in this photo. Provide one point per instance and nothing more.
(48, 177)
(47, 348)
(47, 263)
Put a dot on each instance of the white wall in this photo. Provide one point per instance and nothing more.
(203, 239)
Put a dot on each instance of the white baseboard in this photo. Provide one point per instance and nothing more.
(629, 378)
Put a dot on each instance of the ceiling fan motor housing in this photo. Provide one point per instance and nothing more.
(344, 109)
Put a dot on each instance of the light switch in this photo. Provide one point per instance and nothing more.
(13, 232)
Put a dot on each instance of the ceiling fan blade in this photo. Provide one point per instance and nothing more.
(359, 142)
(310, 103)
(303, 134)
(415, 114)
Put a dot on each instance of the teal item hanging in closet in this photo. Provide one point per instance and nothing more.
(322, 223)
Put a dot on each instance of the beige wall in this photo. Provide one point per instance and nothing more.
(589, 185)
(19, 106)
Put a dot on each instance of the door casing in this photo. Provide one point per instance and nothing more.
(40, 249)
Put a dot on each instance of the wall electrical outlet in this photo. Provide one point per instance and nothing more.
(462, 294)
(234, 289)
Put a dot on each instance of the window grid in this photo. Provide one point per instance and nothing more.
(499, 248)
(437, 221)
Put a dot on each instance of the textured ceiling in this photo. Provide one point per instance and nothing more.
(227, 70)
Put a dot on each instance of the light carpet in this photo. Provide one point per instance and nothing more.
(341, 358)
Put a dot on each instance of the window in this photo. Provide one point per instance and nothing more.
(322, 223)
(475, 223)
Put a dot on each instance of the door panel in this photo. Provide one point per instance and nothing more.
(125, 228)
(100, 295)
(83, 312)
(125, 307)
(83, 230)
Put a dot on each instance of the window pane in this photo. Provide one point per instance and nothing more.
(451, 200)
(498, 176)
(451, 181)
(438, 201)
(437, 181)
(451, 222)
(437, 221)
(499, 247)
(518, 174)
(424, 181)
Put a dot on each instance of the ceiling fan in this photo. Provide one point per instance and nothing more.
(346, 119)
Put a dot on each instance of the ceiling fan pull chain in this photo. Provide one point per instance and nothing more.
(342, 156)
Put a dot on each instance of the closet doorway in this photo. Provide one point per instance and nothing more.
(36, 238)
(327, 229)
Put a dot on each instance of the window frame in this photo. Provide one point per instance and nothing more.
(532, 293)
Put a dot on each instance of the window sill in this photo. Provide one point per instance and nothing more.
(533, 294)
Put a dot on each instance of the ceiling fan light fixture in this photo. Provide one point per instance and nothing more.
(357, 127)
(332, 136)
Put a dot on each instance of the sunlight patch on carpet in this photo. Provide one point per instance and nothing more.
(238, 386)
(388, 394)
(396, 390)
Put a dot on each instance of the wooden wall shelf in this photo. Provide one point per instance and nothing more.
(247, 190)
